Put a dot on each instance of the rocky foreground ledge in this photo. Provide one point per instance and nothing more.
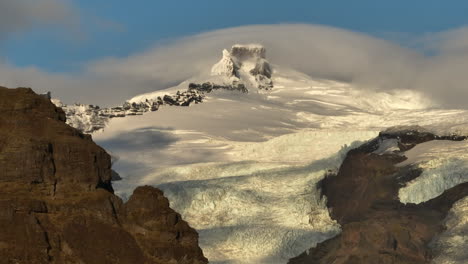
(363, 198)
(57, 203)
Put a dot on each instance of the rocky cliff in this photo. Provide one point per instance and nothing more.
(57, 203)
(245, 62)
(363, 198)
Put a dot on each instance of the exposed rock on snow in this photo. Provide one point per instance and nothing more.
(441, 159)
(226, 67)
(90, 118)
(245, 64)
(245, 52)
(208, 87)
(262, 67)
(444, 164)
(376, 227)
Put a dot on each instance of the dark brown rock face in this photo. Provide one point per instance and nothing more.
(56, 200)
(376, 227)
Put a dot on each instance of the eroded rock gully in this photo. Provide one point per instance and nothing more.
(376, 227)
(56, 200)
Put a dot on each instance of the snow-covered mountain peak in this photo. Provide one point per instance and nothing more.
(245, 64)
(226, 66)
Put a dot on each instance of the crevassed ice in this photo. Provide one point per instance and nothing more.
(450, 246)
(444, 164)
(266, 214)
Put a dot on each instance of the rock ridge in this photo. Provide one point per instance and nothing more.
(91, 118)
(57, 204)
(363, 198)
(242, 67)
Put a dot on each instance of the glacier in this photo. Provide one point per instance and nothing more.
(242, 168)
(450, 246)
(260, 214)
(259, 203)
(444, 165)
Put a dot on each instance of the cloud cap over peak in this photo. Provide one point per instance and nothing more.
(319, 51)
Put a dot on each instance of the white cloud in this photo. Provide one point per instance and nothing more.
(319, 51)
(85, 88)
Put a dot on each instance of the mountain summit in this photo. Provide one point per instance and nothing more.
(245, 63)
(243, 69)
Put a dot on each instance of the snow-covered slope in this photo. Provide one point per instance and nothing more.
(242, 166)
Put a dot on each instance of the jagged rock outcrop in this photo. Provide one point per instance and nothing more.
(363, 198)
(241, 60)
(226, 66)
(243, 52)
(57, 204)
(208, 87)
(245, 60)
(90, 118)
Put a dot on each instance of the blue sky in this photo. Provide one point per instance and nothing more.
(120, 28)
(104, 52)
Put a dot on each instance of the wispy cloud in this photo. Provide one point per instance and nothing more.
(320, 51)
(20, 15)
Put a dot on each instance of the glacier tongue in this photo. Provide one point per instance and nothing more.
(450, 246)
(444, 165)
(266, 217)
(259, 213)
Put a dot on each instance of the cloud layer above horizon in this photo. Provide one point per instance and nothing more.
(319, 51)
(21, 15)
